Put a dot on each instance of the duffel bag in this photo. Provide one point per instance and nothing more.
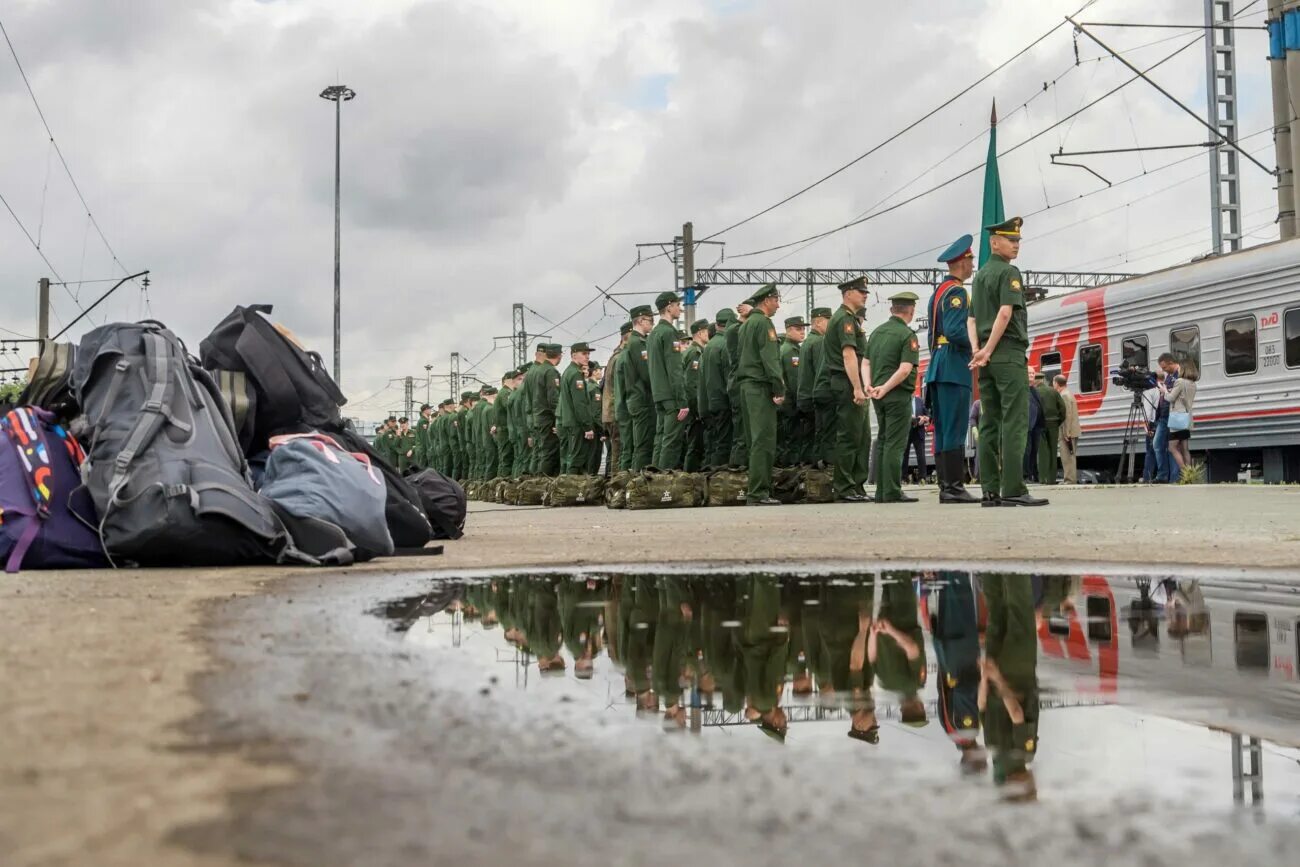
(47, 515)
(616, 489)
(786, 485)
(404, 507)
(312, 476)
(664, 490)
(169, 482)
(575, 490)
(508, 492)
(443, 500)
(532, 490)
(727, 487)
(816, 486)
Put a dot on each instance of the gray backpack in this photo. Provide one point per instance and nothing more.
(169, 482)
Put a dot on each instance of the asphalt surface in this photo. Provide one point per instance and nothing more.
(260, 716)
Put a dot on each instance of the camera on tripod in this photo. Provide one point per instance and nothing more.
(1134, 377)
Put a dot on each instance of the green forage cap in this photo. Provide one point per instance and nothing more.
(795, 322)
(666, 298)
(821, 313)
(641, 310)
(699, 325)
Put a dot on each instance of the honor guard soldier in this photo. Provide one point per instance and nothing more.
(954, 608)
(790, 438)
(714, 394)
(576, 412)
(818, 416)
(667, 385)
(839, 383)
(639, 396)
(948, 376)
(691, 358)
(762, 392)
(998, 327)
(893, 353)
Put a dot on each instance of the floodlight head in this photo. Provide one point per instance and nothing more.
(338, 92)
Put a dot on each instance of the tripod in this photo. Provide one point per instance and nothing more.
(1134, 433)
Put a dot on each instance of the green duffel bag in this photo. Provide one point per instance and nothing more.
(818, 485)
(727, 487)
(786, 484)
(471, 490)
(508, 491)
(575, 490)
(616, 489)
(651, 489)
(531, 491)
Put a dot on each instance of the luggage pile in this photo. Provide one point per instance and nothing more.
(126, 450)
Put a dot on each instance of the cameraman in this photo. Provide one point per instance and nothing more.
(1164, 462)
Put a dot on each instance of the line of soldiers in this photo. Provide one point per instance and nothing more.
(761, 642)
(734, 392)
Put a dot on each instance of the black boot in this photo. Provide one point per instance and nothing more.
(953, 489)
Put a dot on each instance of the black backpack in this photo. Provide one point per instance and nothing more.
(169, 482)
(290, 386)
(444, 502)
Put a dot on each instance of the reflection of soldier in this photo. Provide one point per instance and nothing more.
(641, 598)
(544, 630)
(795, 592)
(580, 606)
(1009, 689)
(764, 643)
(672, 647)
(954, 623)
(719, 618)
(897, 649)
(842, 621)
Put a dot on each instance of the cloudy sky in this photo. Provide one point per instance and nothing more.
(506, 151)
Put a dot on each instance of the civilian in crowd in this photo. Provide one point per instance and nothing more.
(1153, 464)
(1166, 468)
(1070, 432)
(916, 439)
(973, 439)
(1182, 398)
(1035, 429)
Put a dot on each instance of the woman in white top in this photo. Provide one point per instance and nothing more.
(1182, 397)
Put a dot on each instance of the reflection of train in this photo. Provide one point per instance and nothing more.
(1237, 316)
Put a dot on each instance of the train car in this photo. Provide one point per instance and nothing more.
(1237, 316)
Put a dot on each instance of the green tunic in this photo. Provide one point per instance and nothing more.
(850, 437)
(635, 385)
(1004, 399)
(759, 376)
(576, 417)
(892, 345)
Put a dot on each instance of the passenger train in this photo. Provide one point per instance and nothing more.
(1237, 316)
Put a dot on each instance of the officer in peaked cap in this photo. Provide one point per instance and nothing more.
(790, 434)
(638, 392)
(948, 376)
(997, 307)
(893, 353)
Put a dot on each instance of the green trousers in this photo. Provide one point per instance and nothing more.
(739, 436)
(759, 414)
(670, 436)
(1048, 440)
(625, 444)
(788, 446)
(823, 448)
(1004, 427)
(643, 435)
(894, 418)
(505, 454)
(852, 453)
(523, 457)
(595, 451)
(488, 468)
(575, 451)
(717, 439)
(546, 450)
(693, 444)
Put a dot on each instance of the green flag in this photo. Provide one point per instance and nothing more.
(993, 210)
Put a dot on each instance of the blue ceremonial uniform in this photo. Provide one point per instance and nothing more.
(948, 377)
(954, 621)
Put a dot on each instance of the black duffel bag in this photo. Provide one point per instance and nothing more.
(444, 503)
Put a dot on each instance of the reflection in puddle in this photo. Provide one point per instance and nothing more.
(1087, 683)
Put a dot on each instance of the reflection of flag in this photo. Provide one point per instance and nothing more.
(993, 210)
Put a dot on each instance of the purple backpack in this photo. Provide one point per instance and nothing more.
(47, 518)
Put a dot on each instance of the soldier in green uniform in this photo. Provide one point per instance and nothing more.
(815, 417)
(469, 434)
(620, 451)
(739, 436)
(893, 353)
(526, 408)
(596, 395)
(667, 385)
(789, 438)
(377, 441)
(577, 419)
(520, 413)
(713, 395)
(998, 328)
(762, 390)
(1008, 699)
(948, 376)
(405, 445)
(691, 358)
(1048, 438)
(459, 456)
(543, 400)
(501, 424)
(486, 433)
(421, 429)
(638, 392)
(386, 443)
(839, 383)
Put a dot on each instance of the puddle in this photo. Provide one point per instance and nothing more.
(1074, 686)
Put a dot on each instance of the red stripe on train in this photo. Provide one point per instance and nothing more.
(1223, 416)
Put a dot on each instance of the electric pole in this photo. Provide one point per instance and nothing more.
(688, 272)
(43, 314)
(338, 94)
(519, 335)
(428, 381)
(1221, 94)
(408, 395)
(454, 376)
(680, 251)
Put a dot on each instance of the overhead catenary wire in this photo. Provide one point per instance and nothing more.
(973, 169)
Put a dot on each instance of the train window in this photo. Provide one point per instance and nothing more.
(1050, 363)
(1239, 347)
(1090, 368)
(1293, 338)
(1185, 343)
(1134, 351)
(1251, 639)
